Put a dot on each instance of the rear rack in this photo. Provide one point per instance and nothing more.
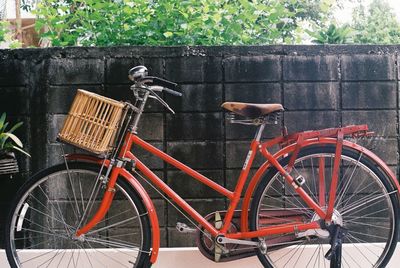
(354, 131)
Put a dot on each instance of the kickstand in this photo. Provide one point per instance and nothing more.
(334, 254)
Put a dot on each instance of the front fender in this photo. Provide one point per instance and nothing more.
(139, 189)
(289, 149)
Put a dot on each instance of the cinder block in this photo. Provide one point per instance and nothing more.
(247, 132)
(310, 68)
(54, 153)
(76, 71)
(14, 100)
(255, 93)
(308, 120)
(236, 153)
(232, 178)
(252, 68)
(13, 72)
(149, 189)
(368, 67)
(60, 98)
(118, 68)
(151, 127)
(200, 155)
(385, 148)
(383, 122)
(311, 96)
(197, 98)
(55, 123)
(369, 95)
(193, 69)
(188, 187)
(150, 160)
(194, 126)
(177, 239)
(202, 206)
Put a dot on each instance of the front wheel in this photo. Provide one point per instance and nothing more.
(366, 206)
(53, 204)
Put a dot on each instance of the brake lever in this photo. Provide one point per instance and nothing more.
(155, 96)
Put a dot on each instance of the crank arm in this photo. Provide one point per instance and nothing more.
(224, 240)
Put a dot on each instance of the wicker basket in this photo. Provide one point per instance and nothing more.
(92, 122)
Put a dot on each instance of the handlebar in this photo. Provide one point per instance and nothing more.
(167, 86)
(150, 84)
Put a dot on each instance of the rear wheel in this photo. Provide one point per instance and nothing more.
(366, 206)
(53, 204)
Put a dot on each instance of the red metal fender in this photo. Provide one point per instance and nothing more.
(142, 193)
(287, 150)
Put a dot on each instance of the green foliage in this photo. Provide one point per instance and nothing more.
(331, 35)
(6, 36)
(174, 22)
(377, 25)
(4, 30)
(8, 141)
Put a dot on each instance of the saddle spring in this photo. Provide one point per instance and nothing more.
(269, 119)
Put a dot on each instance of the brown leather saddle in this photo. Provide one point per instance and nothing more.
(252, 110)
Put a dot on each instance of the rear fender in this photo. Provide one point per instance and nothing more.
(244, 225)
(139, 189)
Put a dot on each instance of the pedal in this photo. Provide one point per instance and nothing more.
(183, 228)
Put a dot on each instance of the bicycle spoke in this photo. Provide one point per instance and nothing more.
(51, 260)
(368, 224)
(59, 209)
(35, 257)
(113, 225)
(367, 202)
(349, 180)
(362, 253)
(108, 256)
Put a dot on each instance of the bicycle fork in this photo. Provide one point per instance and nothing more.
(105, 202)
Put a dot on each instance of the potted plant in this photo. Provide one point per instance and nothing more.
(8, 144)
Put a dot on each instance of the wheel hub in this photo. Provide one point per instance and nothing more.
(80, 238)
(336, 219)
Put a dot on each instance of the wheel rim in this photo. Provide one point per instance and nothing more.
(362, 204)
(47, 216)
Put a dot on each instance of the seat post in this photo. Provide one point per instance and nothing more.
(259, 132)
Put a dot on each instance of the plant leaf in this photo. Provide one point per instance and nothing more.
(2, 119)
(17, 125)
(14, 138)
(4, 127)
(22, 151)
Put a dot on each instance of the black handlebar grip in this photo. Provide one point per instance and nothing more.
(172, 92)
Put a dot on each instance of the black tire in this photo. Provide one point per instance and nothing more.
(51, 218)
(363, 189)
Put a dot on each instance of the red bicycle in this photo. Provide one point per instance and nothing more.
(320, 200)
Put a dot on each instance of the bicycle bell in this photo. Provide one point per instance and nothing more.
(137, 72)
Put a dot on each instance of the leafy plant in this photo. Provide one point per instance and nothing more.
(8, 140)
(376, 24)
(7, 37)
(3, 30)
(331, 35)
(175, 22)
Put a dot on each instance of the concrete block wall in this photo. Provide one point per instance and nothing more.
(320, 86)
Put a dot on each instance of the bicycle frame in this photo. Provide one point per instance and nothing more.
(290, 145)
